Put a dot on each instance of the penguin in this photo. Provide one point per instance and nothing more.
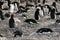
(1, 35)
(1, 15)
(12, 22)
(49, 8)
(54, 5)
(39, 1)
(24, 16)
(16, 5)
(57, 15)
(57, 21)
(11, 8)
(41, 11)
(29, 5)
(52, 14)
(1, 3)
(7, 15)
(18, 33)
(30, 21)
(46, 9)
(44, 1)
(9, 2)
(36, 15)
(22, 9)
(42, 30)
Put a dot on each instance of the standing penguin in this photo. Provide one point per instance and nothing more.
(11, 8)
(52, 14)
(1, 15)
(16, 5)
(8, 2)
(36, 14)
(44, 1)
(41, 12)
(1, 3)
(18, 33)
(54, 5)
(11, 22)
(46, 9)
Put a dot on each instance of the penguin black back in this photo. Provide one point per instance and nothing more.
(36, 15)
(11, 22)
(44, 30)
(1, 15)
(54, 5)
(52, 14)
(18, 33)
(1, 3)
(7, 15)
(16, 3)
(57, 21)
(30, 20)
(9, 2)
(44, 1)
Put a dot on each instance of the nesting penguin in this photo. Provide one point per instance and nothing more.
(30, 21)
(42, 30)
(18, 33)
(57, 21)
(11, 22)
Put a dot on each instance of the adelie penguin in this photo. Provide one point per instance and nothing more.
(46, 30)
(36, 15)
(1, 3)
(52, 14)
(16, 5)
(7, 15)
(54, 5)
(9, 2)
(18, 33)
(11, 22)
(1, 15)
(57, 21)
(30, 21)
(41, 11)
(44, 1)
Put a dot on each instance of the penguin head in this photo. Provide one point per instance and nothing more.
(37, 9)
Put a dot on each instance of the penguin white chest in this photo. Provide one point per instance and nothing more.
(16, 7)
(11, 8)
(41, 13)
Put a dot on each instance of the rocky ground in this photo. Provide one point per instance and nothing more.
(30, 29)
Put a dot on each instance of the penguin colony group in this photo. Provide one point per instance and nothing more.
(40, 12)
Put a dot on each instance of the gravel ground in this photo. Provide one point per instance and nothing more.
(29, 29)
